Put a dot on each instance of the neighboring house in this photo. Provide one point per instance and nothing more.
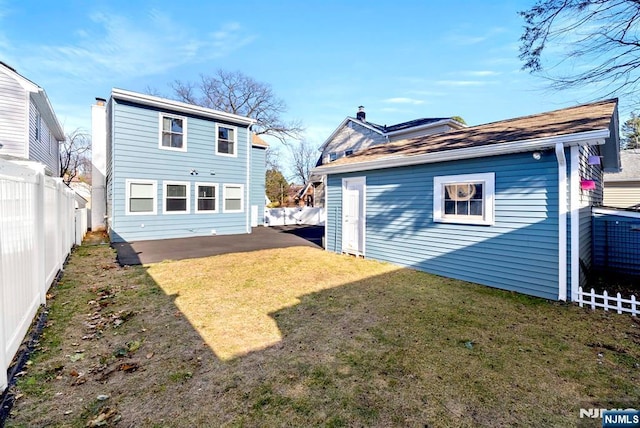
(306, 195)
(503, 204)
(29, 128)
(622, 189)
(356, 133)
(167, 169)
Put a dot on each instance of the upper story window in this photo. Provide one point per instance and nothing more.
(467, 198)
(226, 143)
(333, 156)
(173, 132)
(348, 152)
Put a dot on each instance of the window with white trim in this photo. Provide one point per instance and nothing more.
(226, 140)
(140, 197)
(233, 198)
(38, 126)
(176, 197)
(206, 198)
(466, 198)
(348, 152)
(173, 132)
(333, 156)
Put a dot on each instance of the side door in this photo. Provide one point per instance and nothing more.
(353, 215)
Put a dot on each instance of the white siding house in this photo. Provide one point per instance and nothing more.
(29, 128)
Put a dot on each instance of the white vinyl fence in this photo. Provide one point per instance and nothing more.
(292, 216)
(37, 232)
(606, 302)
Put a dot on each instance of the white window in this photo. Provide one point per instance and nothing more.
(333, 156)
(141, 197)
(206, 198)
(348, 152)
(467, 198)
(38, 126)
(233, 198)
(173, 132)
(226, 143)
(176, 197)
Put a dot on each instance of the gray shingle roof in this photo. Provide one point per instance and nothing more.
(630, 161)
(567, 121)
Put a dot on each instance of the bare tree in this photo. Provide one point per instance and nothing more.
(603, 34)
(272, 158)
(237, 93)
(75, 154)
(303, 157)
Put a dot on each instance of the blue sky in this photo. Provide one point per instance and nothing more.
(402, 60)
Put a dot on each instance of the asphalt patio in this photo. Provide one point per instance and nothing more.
(260, 238)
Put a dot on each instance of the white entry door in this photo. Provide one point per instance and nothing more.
(353, 215)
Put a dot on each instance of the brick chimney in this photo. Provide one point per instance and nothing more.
(361, 115)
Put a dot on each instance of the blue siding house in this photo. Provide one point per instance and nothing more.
(506, 204)
(175, 170)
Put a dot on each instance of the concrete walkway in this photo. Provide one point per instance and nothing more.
(260, 238)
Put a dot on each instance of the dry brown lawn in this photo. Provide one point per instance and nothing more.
(302, 337)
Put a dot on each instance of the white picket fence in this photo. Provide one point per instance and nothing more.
(38, 228)
(606, 302)
(293, 216)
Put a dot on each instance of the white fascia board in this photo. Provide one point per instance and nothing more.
(164, 103)
(422, 127)
(596, 137)
(46, 110)
(26, 84)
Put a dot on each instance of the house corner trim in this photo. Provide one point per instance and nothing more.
(562, 221)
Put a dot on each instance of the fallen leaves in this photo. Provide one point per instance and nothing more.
(107, 416)
(129, 367)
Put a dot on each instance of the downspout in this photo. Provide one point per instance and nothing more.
(562, 222)
(247, 206)
(575, 222)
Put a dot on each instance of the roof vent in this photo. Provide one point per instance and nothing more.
(361, 115)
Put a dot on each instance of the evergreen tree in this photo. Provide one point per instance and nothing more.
(631, 133)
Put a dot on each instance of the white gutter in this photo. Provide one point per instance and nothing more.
(574, 188)
(165, 103)
(247, 206)
(596, 137)
(562, 222)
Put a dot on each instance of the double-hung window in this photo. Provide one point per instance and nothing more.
(233, 198)
(226, 143)
(173, 132)
(176, 197)
(467, 198)
(207, 198)
(141, 197)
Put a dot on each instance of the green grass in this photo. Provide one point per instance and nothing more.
(303, 337)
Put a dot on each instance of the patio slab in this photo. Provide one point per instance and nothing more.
(260, 238)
